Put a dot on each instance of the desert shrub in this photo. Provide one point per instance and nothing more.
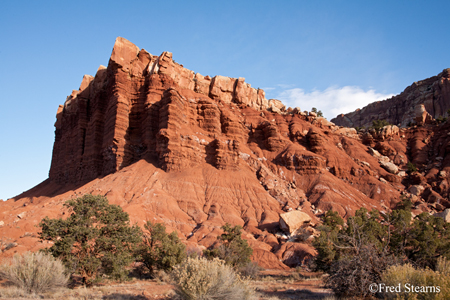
(250, 270)
(379, 124)
(12, 292)
(420, 242)
(317, 112)
(35, 272)
(441, 119)
(95, 239)
(162, 276)
(357, 252)
(352, 275)
(324, 243)
(425, 282)
(234, 250)
(425, 240)
(443, 266)
(202, 279)
(160, 250)
(353, 255)
(411, 168)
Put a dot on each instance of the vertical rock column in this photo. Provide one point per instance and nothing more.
(119, 104)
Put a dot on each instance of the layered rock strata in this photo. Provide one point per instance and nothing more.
(127, 112)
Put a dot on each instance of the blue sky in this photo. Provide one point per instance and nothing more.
(335, 55)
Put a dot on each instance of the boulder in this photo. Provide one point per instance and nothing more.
(297, 110)
(295, 254)
(388, 131)
(389, 166)
(267, 260)
(293, 220)
(276, 106)
(322, 121)
(304, 234)
(374, 152)
(416, 189)
(422, 116)
(444, 215)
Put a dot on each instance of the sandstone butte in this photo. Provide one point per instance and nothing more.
(170, 145)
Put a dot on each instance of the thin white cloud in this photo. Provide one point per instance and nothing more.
(332, 101)
(285, 86)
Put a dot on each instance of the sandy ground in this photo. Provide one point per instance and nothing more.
(270, 285)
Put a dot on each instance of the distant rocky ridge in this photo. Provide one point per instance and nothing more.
(169, 145)
(431, 95)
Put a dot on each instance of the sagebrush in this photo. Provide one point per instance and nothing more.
(418, 283)
(250, 270)
(202, 279)
(35, 273)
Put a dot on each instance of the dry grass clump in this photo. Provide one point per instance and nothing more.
(12, 292)
(35, 273)
(250, 270)
(428, 284)
(443, 266)
(162, 276)
(201, 279)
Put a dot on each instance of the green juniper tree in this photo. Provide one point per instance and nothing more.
(159, 250)
(234, 250)
(379, 124)
(355, 253)
(95, 239)
(317, 112)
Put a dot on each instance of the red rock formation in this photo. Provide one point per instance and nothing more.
(195, 152)
(433, 93)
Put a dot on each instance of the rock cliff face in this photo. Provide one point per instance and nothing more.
(133, 108)
(169, 145)
(431, 95)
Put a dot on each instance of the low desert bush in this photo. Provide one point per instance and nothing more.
(411, 167)
(202, 279)
(35, 272)
(250, 270)
(417, 283)
(443, 266)
(12, 292)
(352, 275)
(162, 276)
(441, 119)
(379, 124)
